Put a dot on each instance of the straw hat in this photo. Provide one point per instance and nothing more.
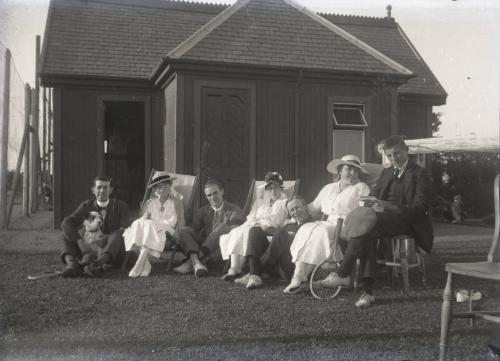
(273, 177)
(352, 160)
(159, 177)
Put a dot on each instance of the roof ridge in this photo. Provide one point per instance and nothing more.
(351, 38)
(186, 5)
(206, 29)
(360, 19)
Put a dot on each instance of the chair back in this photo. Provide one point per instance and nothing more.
(374, 171)
(184, 184)
(494, 254)
(290, 188)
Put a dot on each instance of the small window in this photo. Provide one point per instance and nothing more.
(347, 116)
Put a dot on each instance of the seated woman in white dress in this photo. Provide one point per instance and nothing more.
(162, 215)
(268, 213)
(312, 243)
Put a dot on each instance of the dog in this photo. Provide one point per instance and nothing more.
(90, 233)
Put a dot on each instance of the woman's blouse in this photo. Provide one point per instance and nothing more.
(165, 216)
(335, 203)
(267, 214)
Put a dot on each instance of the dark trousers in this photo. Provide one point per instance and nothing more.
(191, 243)
(114, 247)
(257, 246)
(364, 247)
(278, 256)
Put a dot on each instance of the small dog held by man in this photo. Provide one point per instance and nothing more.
(91, 236)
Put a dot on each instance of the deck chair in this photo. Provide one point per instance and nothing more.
(290, 187)
(483, 270)
(186, 186)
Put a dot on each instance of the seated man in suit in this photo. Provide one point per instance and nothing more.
(201, 238)
(277, 257)
(402, 204)
(114, 214)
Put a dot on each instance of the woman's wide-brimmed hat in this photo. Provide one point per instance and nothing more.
(273, 177)
(160, 177)
(352, 160)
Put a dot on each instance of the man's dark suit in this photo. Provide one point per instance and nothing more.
(414, 203)
(415, 200)
(200, 233)
(115, 221)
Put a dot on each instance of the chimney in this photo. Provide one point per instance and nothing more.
(388, 8)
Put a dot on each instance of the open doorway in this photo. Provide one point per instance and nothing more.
(124, 149)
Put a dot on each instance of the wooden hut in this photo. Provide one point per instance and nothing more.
(223, 91)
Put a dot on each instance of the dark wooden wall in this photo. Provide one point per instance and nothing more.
(75, 141)
(415, 119)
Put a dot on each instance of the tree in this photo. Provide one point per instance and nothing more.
(436, 121)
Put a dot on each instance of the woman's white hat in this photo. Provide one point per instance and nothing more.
(159, 177)
(352, 160)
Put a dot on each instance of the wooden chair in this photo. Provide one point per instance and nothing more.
(484, 270)
(186, 186)
(402, 256)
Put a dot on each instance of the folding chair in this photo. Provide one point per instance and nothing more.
(290, 188)
(186, 186)
(484, 270)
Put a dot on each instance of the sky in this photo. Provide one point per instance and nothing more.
(458, 39)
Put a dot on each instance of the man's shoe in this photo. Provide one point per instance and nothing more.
(92, 270)
(200, 270)
(365, 300)
(185, 268)
(254, 281)
(72, 269)
(243, 280)
(333, 280)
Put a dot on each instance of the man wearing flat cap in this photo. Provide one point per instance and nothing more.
(401, 206)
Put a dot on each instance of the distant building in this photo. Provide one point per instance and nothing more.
(223, 91)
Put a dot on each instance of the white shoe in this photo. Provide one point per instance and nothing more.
(254, 281)
(185, 268)
(146, 270)
(296, 286)
(243, 280)
(333, 280)
(230, 275)
(200, 270)
(365, 300)
(139, 265)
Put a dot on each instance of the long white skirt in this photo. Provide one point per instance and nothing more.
(235, 241)
(143, 233)
(312, 243)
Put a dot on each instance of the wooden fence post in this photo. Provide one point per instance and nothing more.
(44, 131)
(26, 175)
(35, 148)
(4, 137)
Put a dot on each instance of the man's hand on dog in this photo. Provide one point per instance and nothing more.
(101, 241)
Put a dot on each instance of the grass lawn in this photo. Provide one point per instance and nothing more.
(169, 317)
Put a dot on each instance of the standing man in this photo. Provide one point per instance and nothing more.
(114, 214)
(403, 193)
(201, 238)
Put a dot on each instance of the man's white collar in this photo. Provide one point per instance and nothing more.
(102, 204)
(217, 209)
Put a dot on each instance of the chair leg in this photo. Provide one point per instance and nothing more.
(422, 268)
(125, 261)
(404, 272)
(356, 274)
(445, 317)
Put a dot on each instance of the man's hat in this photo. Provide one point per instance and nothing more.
(159, 177)
(352, 160)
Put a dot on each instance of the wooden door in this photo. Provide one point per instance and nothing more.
(225, 138)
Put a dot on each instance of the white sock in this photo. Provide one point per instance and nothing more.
(237, 262)
(146, 270)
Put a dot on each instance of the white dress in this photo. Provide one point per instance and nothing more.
(312, 241)
(151, 233)
(263, 214)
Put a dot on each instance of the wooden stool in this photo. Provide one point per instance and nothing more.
(405, 254)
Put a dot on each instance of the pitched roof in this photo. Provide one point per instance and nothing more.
(117, 38)
(129, 38)
(284, 34)
(385, 35)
